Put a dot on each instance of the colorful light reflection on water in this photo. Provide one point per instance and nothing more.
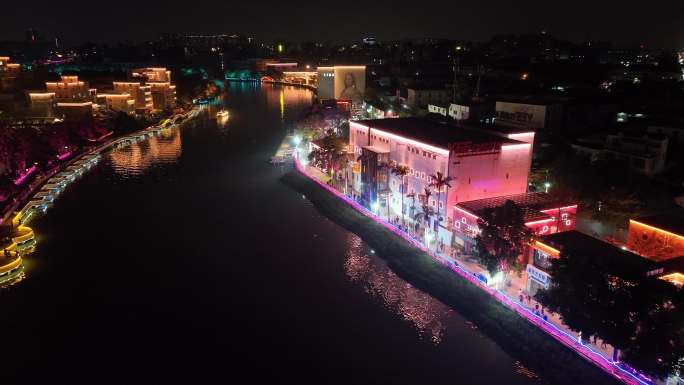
(135, 159)
(427, 314)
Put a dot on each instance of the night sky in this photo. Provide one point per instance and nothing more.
(656, 23)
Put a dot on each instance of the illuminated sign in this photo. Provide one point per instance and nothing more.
(538, 276)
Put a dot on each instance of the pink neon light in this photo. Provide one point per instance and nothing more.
(25, 175)
(539, 221)
(413, 142)
(64, 156)
(466, 212)
(559, 335)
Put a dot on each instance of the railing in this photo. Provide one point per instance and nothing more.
(615, 369)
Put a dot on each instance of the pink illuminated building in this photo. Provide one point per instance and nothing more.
(487, 167)
(542, 214)
(481, 164)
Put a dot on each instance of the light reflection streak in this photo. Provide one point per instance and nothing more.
(426, 313)
(136, 158)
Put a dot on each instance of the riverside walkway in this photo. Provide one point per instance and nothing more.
(509, 296)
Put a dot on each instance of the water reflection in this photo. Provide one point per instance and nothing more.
(285, 97)
(427, 314)
(135, 159)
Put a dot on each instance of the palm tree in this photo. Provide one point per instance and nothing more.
(439, 181)
(401, 171)
(427, 210)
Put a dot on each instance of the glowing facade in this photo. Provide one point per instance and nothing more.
(8, 73)
(69, 89)
(122, 102)
(480, 164)
(141, 94)
(158, 79)
(657, 237)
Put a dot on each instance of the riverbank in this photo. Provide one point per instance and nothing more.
(34, 186)
(520, 338)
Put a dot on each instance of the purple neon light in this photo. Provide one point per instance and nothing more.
(64, 156)
(567, 339)
(25, 175)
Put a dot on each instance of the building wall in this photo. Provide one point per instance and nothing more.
(487, 175)
(519, 115)
(459, 112)
(422, 161)
(326, 83)
(422, 98)
(141, 94)
(69, 89)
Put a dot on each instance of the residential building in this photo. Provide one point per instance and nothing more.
(69, 89)
(162, 91)
(8, 73)
(121, 102)
(644, 153)
(439, 109)
(421, 97)
(141, 94)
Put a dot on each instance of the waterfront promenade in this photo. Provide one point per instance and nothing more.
(598, 354)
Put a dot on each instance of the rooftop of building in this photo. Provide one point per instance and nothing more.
(617, 259)
(541, 100)
(434, 133)
(530, 203)
(672, 222)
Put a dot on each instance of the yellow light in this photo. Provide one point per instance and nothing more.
(675, 278)
(546, 248)
(656, 229)
(280, 48)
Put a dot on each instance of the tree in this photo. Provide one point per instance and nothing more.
(503, 236)
(401, 171)
(439, 182)
(609, 297)
(329, 151)
(425, 206)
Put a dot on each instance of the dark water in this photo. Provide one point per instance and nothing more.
(185, 260)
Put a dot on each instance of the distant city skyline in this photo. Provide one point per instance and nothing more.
(303, 20)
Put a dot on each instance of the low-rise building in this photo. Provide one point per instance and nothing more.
(69, 89)
(421, 97)
(644, 153)
(121, 102)
(479, 163)
(439, 109)
(8, 73)
(542, 214)
(141, 94)
(543, 251)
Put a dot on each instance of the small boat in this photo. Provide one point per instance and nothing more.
(223, 114)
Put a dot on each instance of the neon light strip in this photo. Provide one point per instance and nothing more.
(546, 248)
(554, 331)
(539, 221)
(657, 229)
(466, 212)
(428, 147)
(514, 146)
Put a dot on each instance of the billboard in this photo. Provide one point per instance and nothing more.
(350, 82)
(520, 115)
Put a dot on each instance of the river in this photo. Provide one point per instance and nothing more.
(184, 259)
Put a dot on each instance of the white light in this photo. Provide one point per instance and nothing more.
(375, 206)
(296, 140)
